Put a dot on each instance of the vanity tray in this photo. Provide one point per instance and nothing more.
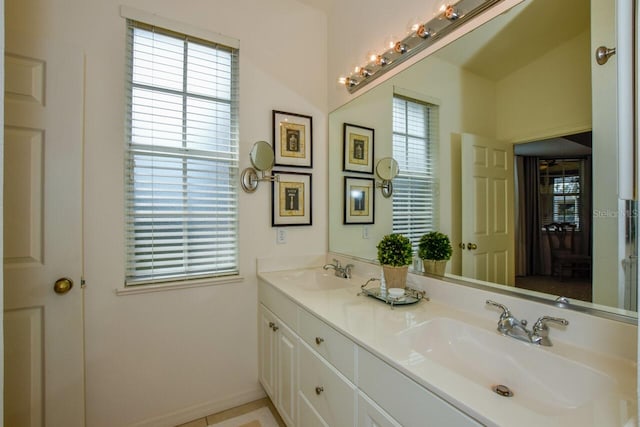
(411, 296)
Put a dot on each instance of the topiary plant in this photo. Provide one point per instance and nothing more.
(435, 245)
(395, 250)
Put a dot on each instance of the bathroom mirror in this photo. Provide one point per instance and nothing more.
(517, 85)
(262, 158)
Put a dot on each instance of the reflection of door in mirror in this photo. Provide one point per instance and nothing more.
(487, 210)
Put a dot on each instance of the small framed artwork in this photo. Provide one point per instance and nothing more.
(291, 199)
(359, 204)
(358, 149)
(292, 139)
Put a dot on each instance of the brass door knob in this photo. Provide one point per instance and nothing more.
(63, 285)
(472, 246)
(462, 246)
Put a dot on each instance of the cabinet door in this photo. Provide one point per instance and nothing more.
(267, 348)
(326, 389)
(371, 415)
(308, 416)
(286, 378)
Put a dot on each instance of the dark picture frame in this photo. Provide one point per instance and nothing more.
(358, 148)
(292, 139)
(291, 197)
(359, 200)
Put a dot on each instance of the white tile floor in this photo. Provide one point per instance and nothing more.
(234, 412)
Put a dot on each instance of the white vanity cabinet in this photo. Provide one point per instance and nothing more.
(318, 377)
(409, 403)
(278, 346)
(372, 415)
(331, 395)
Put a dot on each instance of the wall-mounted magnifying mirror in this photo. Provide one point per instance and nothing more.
(262, 159)
(387, 169)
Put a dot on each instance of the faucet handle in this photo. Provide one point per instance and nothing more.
(337, 263)
(540, 332)
(505, 311)
(541, 323)
(347, 270)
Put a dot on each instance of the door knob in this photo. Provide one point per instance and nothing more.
(462, 246)
(603, 54)
(63, 285)
(472, 246)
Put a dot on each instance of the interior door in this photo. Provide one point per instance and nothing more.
(44, 366)
(487, 210)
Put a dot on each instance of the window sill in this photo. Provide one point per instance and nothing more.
(172, 286)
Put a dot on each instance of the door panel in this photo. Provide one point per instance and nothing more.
(487, 210)
(44, 362)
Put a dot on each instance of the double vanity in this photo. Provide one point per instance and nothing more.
(331, 356)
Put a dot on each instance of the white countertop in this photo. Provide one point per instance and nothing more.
(374, 326)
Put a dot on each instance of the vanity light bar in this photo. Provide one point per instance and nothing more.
(422, 36)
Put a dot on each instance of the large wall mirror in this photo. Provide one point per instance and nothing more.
(521, 144)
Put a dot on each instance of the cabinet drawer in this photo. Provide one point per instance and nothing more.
(337, 349)
(328, 392)
(279, 304)
(405, 400)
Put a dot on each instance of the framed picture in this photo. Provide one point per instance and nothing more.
(292, 139)
(291, 199)
(358, 149)
(359, 206)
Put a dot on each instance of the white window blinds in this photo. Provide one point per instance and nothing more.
(415, 147)
(181, 166)
(561, 187)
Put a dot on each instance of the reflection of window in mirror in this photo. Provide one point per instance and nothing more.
(561, 190)
(415, 147)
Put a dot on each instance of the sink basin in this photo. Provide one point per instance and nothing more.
(539, 379)
(314, 280)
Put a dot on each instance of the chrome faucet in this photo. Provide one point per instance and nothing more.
(512, 327)
(340, 271)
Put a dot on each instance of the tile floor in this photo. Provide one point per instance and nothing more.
(234, 412)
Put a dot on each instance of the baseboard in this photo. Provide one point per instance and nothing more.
(201, 410)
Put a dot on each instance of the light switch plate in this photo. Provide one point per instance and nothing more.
(281, 236)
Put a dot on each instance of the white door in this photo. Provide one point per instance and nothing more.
(487, 210)
(44, 364)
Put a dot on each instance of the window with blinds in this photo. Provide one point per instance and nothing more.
(561, 184)
(181, 166)
(415, 147)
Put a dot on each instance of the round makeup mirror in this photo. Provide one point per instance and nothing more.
(262, 159)
(387, 168)
(262, 156)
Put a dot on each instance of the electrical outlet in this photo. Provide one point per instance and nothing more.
(365, 232)
(281, 236)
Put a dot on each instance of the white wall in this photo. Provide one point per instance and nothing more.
(549, 97)
(168, 357)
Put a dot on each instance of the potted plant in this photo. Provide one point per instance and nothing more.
(395, 254)
(434, 248)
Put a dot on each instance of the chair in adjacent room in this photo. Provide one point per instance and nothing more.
(565, 257)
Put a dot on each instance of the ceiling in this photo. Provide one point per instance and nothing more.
(510, 41)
